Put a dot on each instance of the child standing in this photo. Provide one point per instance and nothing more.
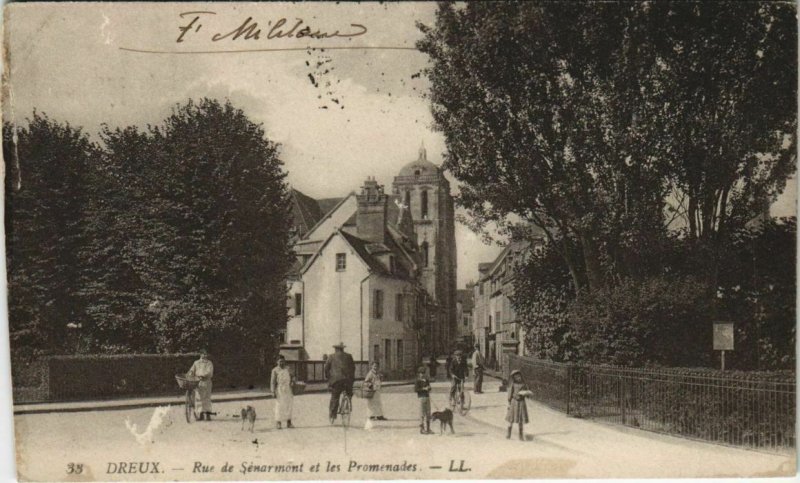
(517, 409)
(373, 383)
(423, 388)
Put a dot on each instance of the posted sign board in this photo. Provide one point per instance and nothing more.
(723, 336)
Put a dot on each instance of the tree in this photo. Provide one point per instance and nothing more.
(660, 321)
(47, 187)
(731, 112)
(539, 104)
(587, 120)
(542, 295)
(757, 291)
(197, 235)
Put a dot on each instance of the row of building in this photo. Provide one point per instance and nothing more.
(485, 314)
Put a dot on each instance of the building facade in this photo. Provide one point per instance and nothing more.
(363, 277)
(465, 330)
(496, 321)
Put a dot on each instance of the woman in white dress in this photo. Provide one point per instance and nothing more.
(281, 385)
(373, 383)
(203, 370)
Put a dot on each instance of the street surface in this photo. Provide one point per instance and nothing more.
(557, 446)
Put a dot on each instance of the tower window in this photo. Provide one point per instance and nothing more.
(407, 200)
(425, 254)
(417, 172)
(341, 262)
(424, 204)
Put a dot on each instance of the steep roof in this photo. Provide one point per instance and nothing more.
(305, 211)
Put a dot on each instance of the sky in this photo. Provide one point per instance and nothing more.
(339, 115)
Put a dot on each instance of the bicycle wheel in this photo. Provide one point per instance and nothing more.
(344, 410)
(466, 403)
(190, 406)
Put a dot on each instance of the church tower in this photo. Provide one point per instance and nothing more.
(426, 192)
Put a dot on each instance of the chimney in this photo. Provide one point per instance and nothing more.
(371, 214)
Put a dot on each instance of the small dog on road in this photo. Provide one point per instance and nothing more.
(445, 419)
(249, 417)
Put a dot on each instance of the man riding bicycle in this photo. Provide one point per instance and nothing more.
(458, 369)
(340, 371)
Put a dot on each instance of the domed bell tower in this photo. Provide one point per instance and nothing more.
(426, 193)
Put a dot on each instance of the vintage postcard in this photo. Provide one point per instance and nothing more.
(407, 240)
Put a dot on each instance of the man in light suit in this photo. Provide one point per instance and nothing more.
(478, 364)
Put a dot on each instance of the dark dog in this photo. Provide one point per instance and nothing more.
(445, 419)
(249, 416)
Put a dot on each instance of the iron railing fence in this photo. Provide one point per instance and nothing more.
(756, 411)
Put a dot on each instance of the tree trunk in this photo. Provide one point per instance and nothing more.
(591, 256)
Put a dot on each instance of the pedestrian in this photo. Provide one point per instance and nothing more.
(203, 369)
(517, 409)
(281, 382)
(478, 365)
(372, 384)
(340, 371)
(423, 388)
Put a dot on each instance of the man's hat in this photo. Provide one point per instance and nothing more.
(516, 371)
(458, 352)
(340, 345)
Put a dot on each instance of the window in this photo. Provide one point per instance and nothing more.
(424, 204)
(400, 354)
(388, 354)
(376, 353)
(417, 172)
(341, 262)
(378, 305)
(298, 304)
(392, 264)
(407, 200)
(398, 307)
(425, 254)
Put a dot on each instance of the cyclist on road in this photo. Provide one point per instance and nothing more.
(458, 369)
(340, 371)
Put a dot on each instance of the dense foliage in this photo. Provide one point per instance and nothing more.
(160, 240)
(643, 138)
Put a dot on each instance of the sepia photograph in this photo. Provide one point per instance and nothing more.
(404, 240)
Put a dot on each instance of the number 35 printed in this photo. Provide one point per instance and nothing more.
(75, 468)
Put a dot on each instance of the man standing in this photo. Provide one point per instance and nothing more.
(458, 369)
(203, 370)
(478, 365)
(340, 371)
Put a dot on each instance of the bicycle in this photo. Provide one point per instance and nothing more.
(345, 408)
(189, 385)
(462, 401)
